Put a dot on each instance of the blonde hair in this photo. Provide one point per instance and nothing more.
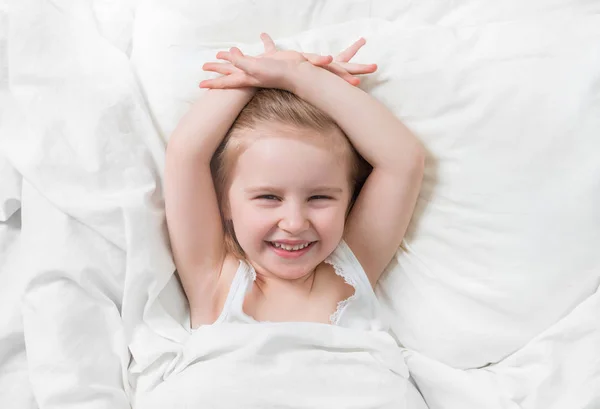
(269, 106)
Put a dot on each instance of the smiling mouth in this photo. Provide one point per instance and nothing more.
(289, 247)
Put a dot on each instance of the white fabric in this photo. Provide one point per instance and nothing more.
(15, 389)
(558, 369)
(500, 263)
(69, 130)
(240, 362)
(285, 365)
(505, 103)
(359, 311)
(362, 310)
(505, 99)
(504, 238)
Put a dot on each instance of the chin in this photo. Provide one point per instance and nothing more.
(291, 270)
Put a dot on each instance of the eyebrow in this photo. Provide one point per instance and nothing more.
(320, 189)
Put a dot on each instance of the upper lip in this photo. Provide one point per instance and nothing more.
(291, 242)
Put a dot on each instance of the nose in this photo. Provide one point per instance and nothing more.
(293, 219)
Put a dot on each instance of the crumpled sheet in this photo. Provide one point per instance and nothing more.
(92, 101)
(558, 369)
(285, 365)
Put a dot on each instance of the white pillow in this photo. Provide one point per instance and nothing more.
(504, 239)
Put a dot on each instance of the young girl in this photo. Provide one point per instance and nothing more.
(273, 216)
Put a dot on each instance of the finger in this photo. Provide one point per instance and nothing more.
(241, 61)
(351, 51)
(318, 60)
(343, 74)
(356, 69)
(229, 55)
(221, 68)
(229, 81)
(235, 52)
(268, 43)
(224, 55)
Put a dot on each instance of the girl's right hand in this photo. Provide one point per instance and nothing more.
(271, 69)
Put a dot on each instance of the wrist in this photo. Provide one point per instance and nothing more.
(202, 128)
(299, 77)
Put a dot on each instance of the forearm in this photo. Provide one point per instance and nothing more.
(202, 128)
(380, 137)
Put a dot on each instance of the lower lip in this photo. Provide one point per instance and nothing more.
(291, 254)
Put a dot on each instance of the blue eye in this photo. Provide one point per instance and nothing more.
(268, 197)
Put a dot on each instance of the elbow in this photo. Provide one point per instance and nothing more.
(419, 155)
(416, 167)
(405, 161)
(413, 161)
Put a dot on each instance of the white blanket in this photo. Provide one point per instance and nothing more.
(558, 369)
(285, 365)
(15, 389)
(14, 378)
(494, 293)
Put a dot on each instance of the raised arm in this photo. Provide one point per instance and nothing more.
(382, 212)
(192, 212)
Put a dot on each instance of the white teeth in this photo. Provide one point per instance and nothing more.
(290, 248)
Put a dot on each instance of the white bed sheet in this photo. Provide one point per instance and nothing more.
(60, 281)
(15, 389)
(93, 106)
(558, 369)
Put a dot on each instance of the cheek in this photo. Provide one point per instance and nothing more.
(330, 220)
(250, 221)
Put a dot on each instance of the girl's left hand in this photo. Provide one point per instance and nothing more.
(270, 69)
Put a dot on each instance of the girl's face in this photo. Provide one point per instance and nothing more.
(288, 199)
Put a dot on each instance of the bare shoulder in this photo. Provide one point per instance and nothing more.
(329, 283)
